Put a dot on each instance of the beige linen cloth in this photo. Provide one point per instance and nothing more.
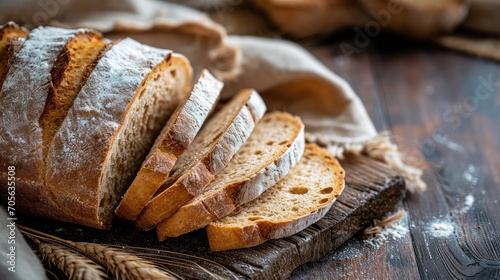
(286, 75)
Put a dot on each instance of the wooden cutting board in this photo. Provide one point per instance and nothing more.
(372, 190)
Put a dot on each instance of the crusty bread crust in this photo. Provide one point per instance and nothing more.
(177, 191)
(7, 56)
(172, 142)
(12, 37)
(221, 202)
(89, 143)
(226, 236)
(11, 30)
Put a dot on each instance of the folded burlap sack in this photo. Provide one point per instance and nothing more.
(286, 75)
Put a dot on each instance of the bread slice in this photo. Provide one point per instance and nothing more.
(302, 198)
(23, 98)
(211, 150)
(173, 141)
(111, 127)
(12, 37)
(271, 151)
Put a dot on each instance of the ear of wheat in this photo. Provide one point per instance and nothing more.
(122, 265)
(73, 265)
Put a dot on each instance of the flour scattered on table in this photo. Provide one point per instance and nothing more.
(470, 175)
(469, 201)
(393, 231)
(441, 228)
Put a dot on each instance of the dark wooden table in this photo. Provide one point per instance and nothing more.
(444, 111)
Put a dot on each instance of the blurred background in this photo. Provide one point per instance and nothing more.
(426, 70)
(466, 25)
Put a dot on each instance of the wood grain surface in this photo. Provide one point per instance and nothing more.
(444, 111)
(372, 190)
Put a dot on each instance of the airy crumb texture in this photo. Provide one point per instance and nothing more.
(302, 198)
(174, 139)
(210, 152)
(271, 151)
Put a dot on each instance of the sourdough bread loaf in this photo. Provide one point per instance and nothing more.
(302, 198)
(211, 150)
(172, 142)
(271, 151)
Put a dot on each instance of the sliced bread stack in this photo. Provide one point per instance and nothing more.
(79, 117)
(212, 149)
(97, 129)
(172, 142)
(273, 148)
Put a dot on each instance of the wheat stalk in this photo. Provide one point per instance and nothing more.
(73, 265)
(121, 264)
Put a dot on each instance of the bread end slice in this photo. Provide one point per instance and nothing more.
(302, 198)
(271, 151)
(172, 142)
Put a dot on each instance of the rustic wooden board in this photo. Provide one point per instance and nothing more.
(372, 190)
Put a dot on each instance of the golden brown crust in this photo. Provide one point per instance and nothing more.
(9, 31)
(405, 16)
(7, 55)
(11, 39)
(167, 202)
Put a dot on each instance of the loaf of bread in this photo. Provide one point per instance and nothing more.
(271, 151)
(83, 119)
(302, 198)
(98, 129)
(212, 149)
